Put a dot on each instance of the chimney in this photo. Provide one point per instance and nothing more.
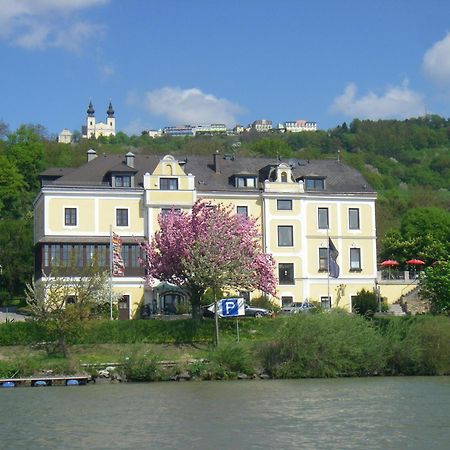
(216, 163)
(91, 155)
(129, 159)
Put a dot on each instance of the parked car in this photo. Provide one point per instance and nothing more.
(297, 307)
(250, 311)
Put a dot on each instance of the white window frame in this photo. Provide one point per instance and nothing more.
(290, 236)
(128, 217)
(353, 267)
(287, 201)
(76, 216)
(242, 212)
(319, 209)
(357, 217)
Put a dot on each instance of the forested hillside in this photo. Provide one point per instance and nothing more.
(407, 162)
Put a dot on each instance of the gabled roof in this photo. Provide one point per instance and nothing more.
(340, 178)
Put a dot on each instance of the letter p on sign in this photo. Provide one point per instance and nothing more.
(230, 307)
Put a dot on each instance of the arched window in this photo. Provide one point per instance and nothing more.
(168, 170)
(283, 177)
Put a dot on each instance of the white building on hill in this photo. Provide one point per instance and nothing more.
(93, 129)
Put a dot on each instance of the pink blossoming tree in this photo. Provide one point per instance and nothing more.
(211, 247)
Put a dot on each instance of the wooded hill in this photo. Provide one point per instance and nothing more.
(407, 162)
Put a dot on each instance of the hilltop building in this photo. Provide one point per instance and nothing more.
(93, 129)
(300, 205)
(261, 125)
(297, 126)
(65, 136)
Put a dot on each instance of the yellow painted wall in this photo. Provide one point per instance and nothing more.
(311, 214)
(169, 198)
(393, 292)
(136, 294)
(85, 214)
(107, 215)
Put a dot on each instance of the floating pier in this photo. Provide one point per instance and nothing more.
(68, 380)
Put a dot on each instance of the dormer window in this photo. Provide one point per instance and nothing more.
(245, 181)
(315, 184)
(122, 181)
(283, 177)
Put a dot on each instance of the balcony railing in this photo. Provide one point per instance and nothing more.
(395, 275)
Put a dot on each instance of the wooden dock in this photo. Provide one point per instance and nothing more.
(65, 380)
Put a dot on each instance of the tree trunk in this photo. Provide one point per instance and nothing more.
(62, 344)
(196, 296)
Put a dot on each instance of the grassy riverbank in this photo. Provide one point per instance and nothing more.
(306, 345)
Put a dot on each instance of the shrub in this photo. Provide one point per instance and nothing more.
(434, 337)
(418, 345)
(232, 358)
(141, 367)
(365, 303)
(324, 345)
(264, 302)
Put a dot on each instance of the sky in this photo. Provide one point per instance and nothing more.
(173, 62)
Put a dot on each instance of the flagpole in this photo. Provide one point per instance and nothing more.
(110, 273)
(329, 257)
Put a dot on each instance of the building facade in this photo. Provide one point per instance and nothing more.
(94, 129)
(301, 206)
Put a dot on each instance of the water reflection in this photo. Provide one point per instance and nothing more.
(372, 413)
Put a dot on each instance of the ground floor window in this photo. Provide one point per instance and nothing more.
(172, 303)
(286, 300)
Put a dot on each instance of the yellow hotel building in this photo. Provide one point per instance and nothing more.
(299, 205)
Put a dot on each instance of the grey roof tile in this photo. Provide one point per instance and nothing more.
(340, 178)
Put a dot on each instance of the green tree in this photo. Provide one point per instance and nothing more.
(12, 190)
(25, 148)
(435, 287)
(365, 303)
(16, 255)
(60, 302)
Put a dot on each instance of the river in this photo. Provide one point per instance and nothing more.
(346, 413)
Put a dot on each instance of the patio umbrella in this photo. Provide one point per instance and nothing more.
(389, 263)
(415, 262)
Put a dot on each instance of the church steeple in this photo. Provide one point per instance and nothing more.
(90, 111)
(110, 111)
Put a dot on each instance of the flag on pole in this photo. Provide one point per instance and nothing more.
(118, 268)
(333, 267)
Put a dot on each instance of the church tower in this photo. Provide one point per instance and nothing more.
(110, 119)
(94, 129)
(90, 122)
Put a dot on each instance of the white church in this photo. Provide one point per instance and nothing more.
(93, 129)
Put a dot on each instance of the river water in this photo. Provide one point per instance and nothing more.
(350, 413)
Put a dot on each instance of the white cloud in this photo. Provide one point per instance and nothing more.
(39, 24)
(436, 61)
(397, 102)
(188, 106)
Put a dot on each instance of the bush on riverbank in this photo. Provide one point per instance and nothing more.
(325, 345)
(304, 345)
(418, 345)
(135, 331)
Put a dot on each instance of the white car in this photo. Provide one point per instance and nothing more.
(297, 307)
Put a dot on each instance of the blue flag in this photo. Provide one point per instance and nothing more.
(333, 267)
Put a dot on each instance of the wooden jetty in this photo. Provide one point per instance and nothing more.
(64, 380)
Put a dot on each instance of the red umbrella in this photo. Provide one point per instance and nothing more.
(415, 262)
(389, 263)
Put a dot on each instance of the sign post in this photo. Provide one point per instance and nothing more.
(229, 307)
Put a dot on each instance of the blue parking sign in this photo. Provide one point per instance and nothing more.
(231, 307)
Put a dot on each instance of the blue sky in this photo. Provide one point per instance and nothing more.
(171, 62)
